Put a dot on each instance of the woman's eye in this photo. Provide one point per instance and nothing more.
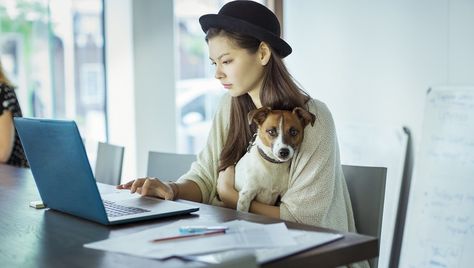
(213, 63)
(227, 61)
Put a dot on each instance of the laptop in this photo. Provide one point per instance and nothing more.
(64, 178)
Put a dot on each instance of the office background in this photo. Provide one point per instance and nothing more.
(136, 73)
(370, 61)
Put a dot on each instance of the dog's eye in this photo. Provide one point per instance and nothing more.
(293, 132)
(272, 132)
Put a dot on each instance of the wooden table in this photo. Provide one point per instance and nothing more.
(47, 238)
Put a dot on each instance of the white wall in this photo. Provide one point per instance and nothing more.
(154, 78)
(141, 82)
(120, 80)
(372, 61)
(461, 42)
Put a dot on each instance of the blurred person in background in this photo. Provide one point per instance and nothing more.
(11, 150)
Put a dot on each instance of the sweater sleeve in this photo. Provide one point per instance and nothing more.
(204, 170)
(317, 193)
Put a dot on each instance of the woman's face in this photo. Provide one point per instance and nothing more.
(238, 71)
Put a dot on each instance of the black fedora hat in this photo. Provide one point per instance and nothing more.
(249, 18)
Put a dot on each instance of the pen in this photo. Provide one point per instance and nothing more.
(200, 229)
(216, 232)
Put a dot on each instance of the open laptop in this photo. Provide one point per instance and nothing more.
(64, 178)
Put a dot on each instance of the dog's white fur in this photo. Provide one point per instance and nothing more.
(264, 180)
(259, 179)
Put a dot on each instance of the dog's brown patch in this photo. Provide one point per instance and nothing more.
(293, 125)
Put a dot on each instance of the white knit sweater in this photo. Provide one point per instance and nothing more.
(317, 192)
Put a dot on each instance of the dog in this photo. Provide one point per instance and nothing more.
(262, 173)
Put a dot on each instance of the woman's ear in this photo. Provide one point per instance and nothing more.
(264, 53)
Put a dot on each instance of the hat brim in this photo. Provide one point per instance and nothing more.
(240, 26)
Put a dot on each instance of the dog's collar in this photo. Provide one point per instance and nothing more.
(269, 159)
(251, 142)
(262, 153)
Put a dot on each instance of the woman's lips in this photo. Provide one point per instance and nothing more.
(227, 85)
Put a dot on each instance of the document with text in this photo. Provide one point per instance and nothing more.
(238, 236)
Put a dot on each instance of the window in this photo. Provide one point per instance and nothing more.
(53, 52)
(197, 91)
(79, 75)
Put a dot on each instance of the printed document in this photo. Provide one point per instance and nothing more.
(238, 236)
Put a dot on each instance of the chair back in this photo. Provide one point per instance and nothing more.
(108, 167)
(168, 166)
(366, 186)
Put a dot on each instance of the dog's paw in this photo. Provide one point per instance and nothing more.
(243, 205)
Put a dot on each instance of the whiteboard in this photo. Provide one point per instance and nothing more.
(439, 226)
(381, 146)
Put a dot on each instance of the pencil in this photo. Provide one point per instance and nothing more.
(187, 236)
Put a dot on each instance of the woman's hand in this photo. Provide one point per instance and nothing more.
(151, 187)
(225, 187)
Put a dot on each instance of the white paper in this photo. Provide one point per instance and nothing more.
(239, 236)
(439, 224)
(305, 240)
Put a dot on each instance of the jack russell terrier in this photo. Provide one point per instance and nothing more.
(263, 172)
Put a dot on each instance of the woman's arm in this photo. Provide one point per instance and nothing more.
(230, 197)
(7, 136)
(203, 172)
(188, 190)
(264, 209)
(199, 183)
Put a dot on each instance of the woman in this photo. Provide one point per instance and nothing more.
(245, 47)
(11, 151)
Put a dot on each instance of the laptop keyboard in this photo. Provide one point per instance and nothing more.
(114, 210)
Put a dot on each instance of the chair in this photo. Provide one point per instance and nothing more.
(366, 186)
(108, 167)
(168, 166)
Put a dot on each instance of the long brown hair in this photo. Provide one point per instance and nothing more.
(3, 77)
(279, 91)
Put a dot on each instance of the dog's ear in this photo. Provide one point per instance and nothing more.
(258, 115)
(304, 116)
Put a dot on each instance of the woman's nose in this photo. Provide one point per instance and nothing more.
(219, 74)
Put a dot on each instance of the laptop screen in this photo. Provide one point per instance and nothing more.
(60, 167)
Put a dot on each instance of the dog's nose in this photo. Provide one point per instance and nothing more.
(284, 152)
